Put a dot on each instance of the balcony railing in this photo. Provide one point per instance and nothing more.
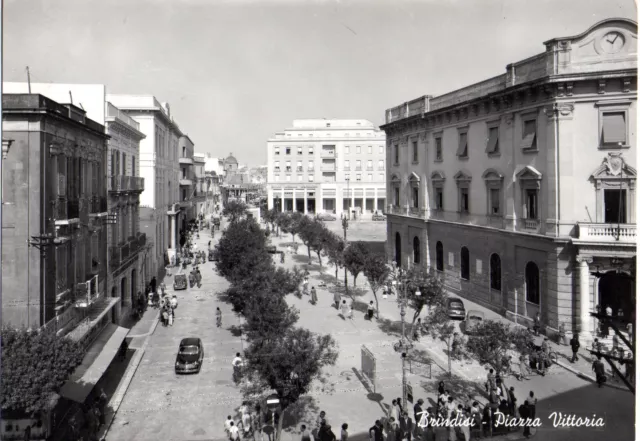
(121, 183)
(358, 168)
(299, 169)
(599, 232)
(369, 168)
(185, 161)
(380, 168)
(420, 213)
(347, 168)
(186, 182)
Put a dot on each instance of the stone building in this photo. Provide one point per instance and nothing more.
(54, 209)
(520, 189)
(327, 165)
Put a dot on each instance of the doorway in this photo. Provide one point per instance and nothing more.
(617, 290)
(398, 250)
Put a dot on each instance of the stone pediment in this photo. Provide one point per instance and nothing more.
(492, 174)
(462, 176)
(530, 173)
(413, 177)
(437, 176)
(614, 167)
(395, 179)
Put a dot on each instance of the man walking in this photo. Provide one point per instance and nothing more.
(598, 368)
(375, 432)
(575, 345)
(336, 299)
(406, 426)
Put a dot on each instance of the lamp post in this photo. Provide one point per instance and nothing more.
(348, 198)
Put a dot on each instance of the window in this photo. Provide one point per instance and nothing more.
(310, 178)
(358, 149)
(414, 149)
(370, 149)
(532, 283)
(494, 201)
(381, 164)
(299, 166)
(438, 142)
(276, 166)
(415, 193)
(288, 166)
(613, 132)
(288, 178)
(615, 206)
(416, 250)
(358, 177)
(299, 150)
(276, 178)
(346, 150)
(369, 165)
(381, 150)
(493, 142)
(396, 155)
(310, 165)
(464, 200)
(396, 196)
(495, 272)
(358, 165)
(463, 182)
(311, 150)
(530, 204)
(439, 256)
(462, 151)
(439, 199)
(464, 263)
(287, 150)
(493, 181)
(381, 177)
(347, 165)
(370, 177)
(300, 178)
(529, 142)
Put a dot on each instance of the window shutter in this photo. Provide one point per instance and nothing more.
(462, 145)
(492, 145)
(529, 135)
(614, 128)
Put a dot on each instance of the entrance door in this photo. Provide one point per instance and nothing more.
(615, 206)
(398, 250)
(617, 290)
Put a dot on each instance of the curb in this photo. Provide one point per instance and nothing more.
(587, 377)
(120, 392)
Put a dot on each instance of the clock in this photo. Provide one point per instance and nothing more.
(612, 42)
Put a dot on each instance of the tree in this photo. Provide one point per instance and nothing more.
(268, 317)
(235, 210)
(440, 326)
(319, 239)
(335, 252)
(494, 340)
(293, 223)
(306, 231)
(241, 249)
(355, 259)
(289, 364)
(35, 365)
(432, 292)
(377, 272)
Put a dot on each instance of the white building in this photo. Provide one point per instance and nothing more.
(327, 165)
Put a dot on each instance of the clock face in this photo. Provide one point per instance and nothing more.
(612, 42)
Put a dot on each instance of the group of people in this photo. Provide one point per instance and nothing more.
(195, 277)
(168, 307)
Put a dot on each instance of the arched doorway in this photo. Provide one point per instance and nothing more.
(134, 288)
(123, 291)
(398, 250)
(416, 250)
(617, 290)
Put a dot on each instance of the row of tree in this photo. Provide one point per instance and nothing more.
(281, 358)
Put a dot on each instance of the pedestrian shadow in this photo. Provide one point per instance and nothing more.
(457, 386)
(235, 330)
(371, 394)
(303, 411)
(391, 327)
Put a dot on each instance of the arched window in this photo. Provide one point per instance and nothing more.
(398, 250)
(416, 250)
(496, 272)
(532, 280)
(439, 256)
(464, 263)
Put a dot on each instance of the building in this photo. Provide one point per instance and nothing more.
(213, 192)
(187, 181)
(129, 255)
(520, 189)
(230, 165)
(214, 165)
(54, 212)
(164, 201)
(128, 248)
(327, 165)
(200, 184)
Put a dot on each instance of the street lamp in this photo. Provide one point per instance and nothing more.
(347, 178)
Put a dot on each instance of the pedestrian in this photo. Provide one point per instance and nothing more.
(491, 381)
(400, 409)
(325, 433)
(234, 433)
(246, 422)
(392, 430)
(321, 417)
(314, 295)
(417, 330)
(218, 317)
(227, 425)
(598, 368)
(344, 308)
(531, 402)
(575, 345)
(406, 425)
(344, 435)
(375, 432)
(153, 284)
(370, 310)
(393, 410)
(512, 402)
(336, 299)
(536, 324)
(417, 416)
(305, 433)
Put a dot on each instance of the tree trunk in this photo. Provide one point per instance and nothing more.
(319, 258)
(346, 285)
(279, 428)
(449, 356)
(413, 323)
(375, 296)
(336, 271)
(355, 276)
(309, 252)
(293, 237)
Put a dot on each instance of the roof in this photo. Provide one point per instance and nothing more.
(230, 160)
(190, 341)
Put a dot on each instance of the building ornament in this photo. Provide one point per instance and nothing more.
(582, 258)
(614, 163)
(496, 104)
(508, 118)
(507, 100)
(626, 85)
(569, 86)
(560, 90)
(601, 86)
(475, 109)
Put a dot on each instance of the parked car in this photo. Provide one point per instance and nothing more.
(180, 282)
(455, 308)
(474, 318)
(326, 217)
(271, 249)
(379, 217)
(190, 356)
(211, 256)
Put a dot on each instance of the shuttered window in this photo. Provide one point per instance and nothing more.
(529, 135)
(462, 145)
(493, 146)
(614, 128)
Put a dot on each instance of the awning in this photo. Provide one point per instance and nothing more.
(95, 363)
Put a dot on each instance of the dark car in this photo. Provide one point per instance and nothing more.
(190, 356)
(211, 256)
(271, 249)
(455, 308)
(180, 282)
(326, 217)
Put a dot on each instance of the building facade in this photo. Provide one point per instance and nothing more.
(322, 165)
(128, 249)
(200, 184)
(520, 189)
(54, 256)
(187, 181)
(161, 203)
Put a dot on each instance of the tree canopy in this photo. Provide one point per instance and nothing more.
(355, 259)
(35, 365)
(494, 340)
(235, 210)
(241, 250)
(376, 272)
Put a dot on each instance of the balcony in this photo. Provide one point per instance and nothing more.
(299, 169)
(124, 251)
(346, 168)
(328, 153)
(369, 168)
(528, 225)
(419, 213)
(186, 182)
(610, 233)
(114, 257)
(125, 184)
(185, 161)
(328, 167)
(358, 168)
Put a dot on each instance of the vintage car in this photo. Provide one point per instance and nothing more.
(474, 318)
(216, 221)
(180, 282)
(455, 308)
(271, 249)
(190, 356)
(211, 257)
(379, 217)
(326, 217)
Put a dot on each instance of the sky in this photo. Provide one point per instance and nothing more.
(236, 72)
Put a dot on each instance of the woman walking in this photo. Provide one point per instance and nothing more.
(314, 295)
(344, 308)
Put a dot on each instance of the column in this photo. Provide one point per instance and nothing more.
(173, 243)
(364, 201)
(352, 194)
(319, 200)
(585, 300)
(305, 201)
(375, 199)
(282, 200)
(294, 206)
